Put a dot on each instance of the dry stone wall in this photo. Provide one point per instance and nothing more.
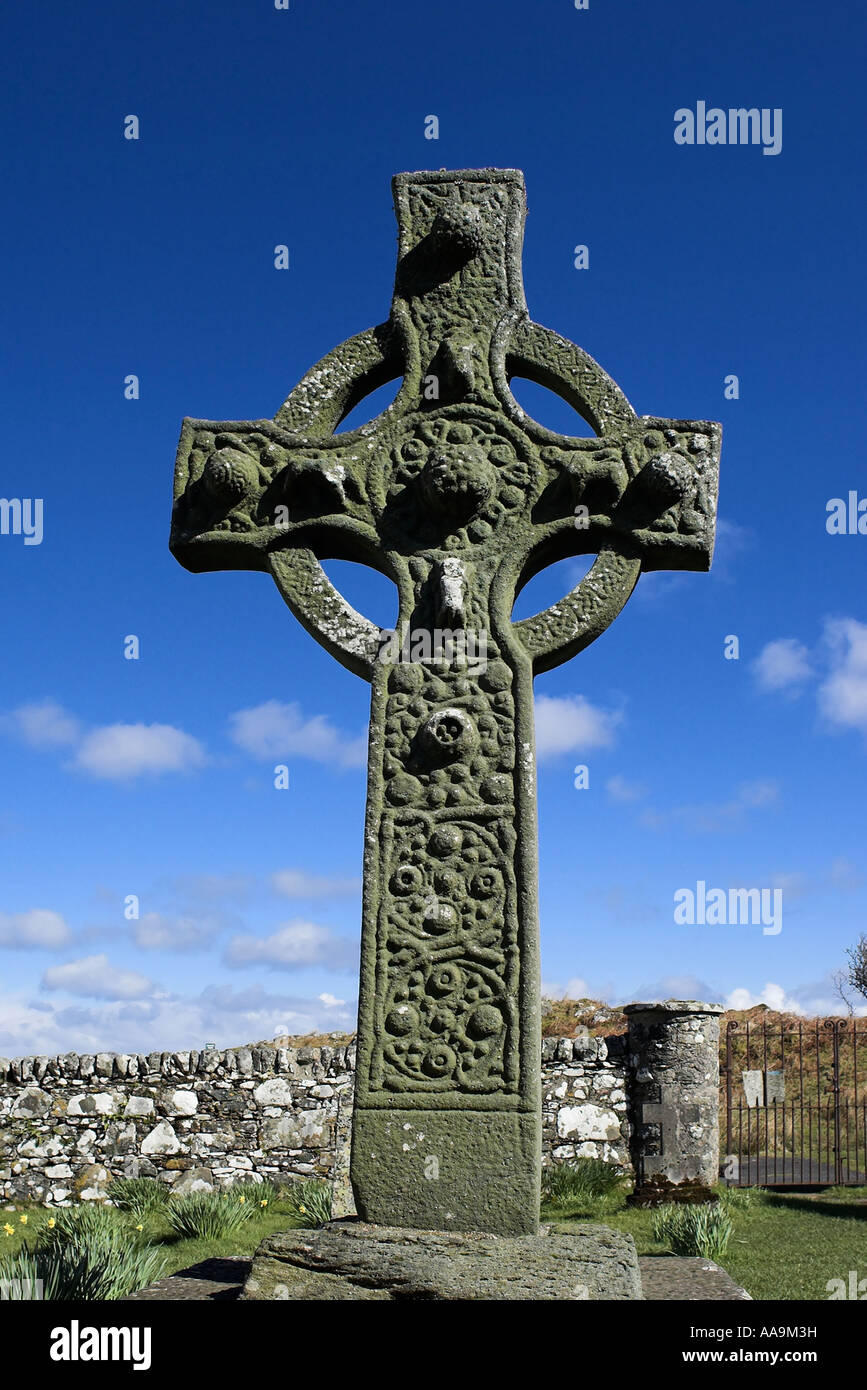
(200, 1120)
(646, 1100)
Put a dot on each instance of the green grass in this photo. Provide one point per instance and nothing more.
(784, 1245)
(176, 1249)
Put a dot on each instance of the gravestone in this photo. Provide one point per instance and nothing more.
(459, 497)
(754, 1088)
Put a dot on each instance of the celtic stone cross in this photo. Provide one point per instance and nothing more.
(459, 497)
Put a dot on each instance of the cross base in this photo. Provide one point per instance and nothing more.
(351, 1261)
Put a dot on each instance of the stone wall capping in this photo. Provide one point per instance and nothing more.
(675, 1006)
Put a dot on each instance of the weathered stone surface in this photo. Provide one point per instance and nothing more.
(277, 1091)
(183, 1102)
(193, 1180)
(161, 1140)
(139, 1105)
(581, 1122)
(32, 1102)
(350, 1260)
(92, 1182)
(306, 1129)
(100, 1103)
(458, 496)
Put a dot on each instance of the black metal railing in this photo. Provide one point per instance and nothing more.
(795, 1104)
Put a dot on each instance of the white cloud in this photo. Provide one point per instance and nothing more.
(156, 932)
(569, 723)
(759, 793)
(95, 977)
(576, 988)
(843, 694)
(713, 816)
(275, 730)
(42, 724)
(674, 987)
(296, 883)
(293, 945)
(331, 1001)
(117, 752)
(844, 875)
(37, 929)
(619, 789)
(807, 1001)
(731, 540)
(782, 665)
(773, 995)
(219, 1014)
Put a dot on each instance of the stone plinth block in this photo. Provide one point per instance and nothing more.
(351, 1260)
(447, 1170)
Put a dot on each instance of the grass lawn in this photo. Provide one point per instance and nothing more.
(785, 1245)
(179, 1252)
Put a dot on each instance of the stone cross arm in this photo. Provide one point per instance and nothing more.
(454, 467)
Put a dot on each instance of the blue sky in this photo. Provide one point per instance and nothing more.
(155, 257)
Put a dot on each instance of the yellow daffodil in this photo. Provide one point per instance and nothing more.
(10, 1230)
(139, 1228)
(264, 1203)
(51, 1223)
(242, 1199)
(23, 1218)
(303, 1211)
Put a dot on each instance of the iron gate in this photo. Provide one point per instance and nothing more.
(795, 1104)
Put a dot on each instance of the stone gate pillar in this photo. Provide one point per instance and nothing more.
(674, 1099)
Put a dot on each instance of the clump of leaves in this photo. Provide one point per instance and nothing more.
(208, 1215)
(87, 1253)
(309, 1202)
(703, 1230)
(587, 1185)
(260, 1194)
(141, 1197)
(737, 1198)
(79, 1224)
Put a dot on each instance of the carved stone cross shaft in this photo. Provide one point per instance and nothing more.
(459, 497)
